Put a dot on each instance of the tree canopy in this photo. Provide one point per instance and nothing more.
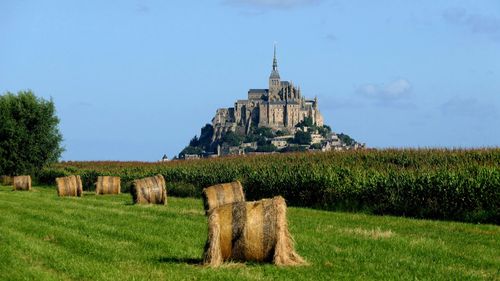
(345, 138)
(307, 122)
(190, 150)
(206, 136)
(264, 131)
(266, 148)
(324, 131)
(232, 139)
(29, 133)
(302, 137)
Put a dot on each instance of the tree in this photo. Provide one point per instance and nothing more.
(267, 148)
(249, 149)
(265, 132)
(316, 146)
(307, 122)
(29, 134)
(251, 138)
(190, 150)
(232, 139)
(259, 135)
(282, 132)
(324, 131)
(194, 141)
(344, 138)
(206, 135)
(302, 137)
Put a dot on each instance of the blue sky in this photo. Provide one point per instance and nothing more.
(133, 80)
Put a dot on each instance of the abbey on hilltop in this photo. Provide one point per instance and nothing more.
(277, 119)
(280, 107)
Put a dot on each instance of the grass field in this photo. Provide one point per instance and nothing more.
(43, 237)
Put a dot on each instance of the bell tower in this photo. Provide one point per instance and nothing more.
(274, 79)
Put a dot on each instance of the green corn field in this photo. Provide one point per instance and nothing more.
(447, 184)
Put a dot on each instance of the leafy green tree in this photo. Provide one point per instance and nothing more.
(302, 137)
(190, 150)
(259, 135)
(324, 131)
(267, 148)
(249, 149)
(283, 132)
(251, 138)
(315, 146)
(29, 133)
(194, 141)
(307, 122)
(262, 141)
(206, 135)
(344, 138)
(232, 139)
(264, 131)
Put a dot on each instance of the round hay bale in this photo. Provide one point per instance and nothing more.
(151, 190)
(6, 180)
(108, 185)
(250, 231)
(22, 183)
(69, 186)
(220, 194)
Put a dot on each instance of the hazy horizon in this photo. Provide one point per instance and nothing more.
(138, 79)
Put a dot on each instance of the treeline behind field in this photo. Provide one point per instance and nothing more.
(462, 185)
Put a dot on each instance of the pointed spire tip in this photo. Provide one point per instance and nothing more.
(275, 61)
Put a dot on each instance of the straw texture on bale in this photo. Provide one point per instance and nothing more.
(250, 231)
(150, 190)
(108, 185)
(69, 186)
(22, 183)
(6, 180)
(220, 194)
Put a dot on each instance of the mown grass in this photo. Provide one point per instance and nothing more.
(43, 237)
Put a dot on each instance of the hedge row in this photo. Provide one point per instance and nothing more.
(462, 185)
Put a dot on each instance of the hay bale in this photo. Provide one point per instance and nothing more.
(6, 180)
(250, 231)
(151, 190)
(22, 183)
(108, 185)
(69, 186)
(220, 194)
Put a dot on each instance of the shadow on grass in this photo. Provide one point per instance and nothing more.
(190, 261)
(199, 262)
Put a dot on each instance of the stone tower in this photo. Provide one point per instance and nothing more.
(274, 80)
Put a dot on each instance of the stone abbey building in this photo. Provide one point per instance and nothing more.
(280, 107)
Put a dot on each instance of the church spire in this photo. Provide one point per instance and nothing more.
(274, 79)
(275, 74)
(275, 61)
